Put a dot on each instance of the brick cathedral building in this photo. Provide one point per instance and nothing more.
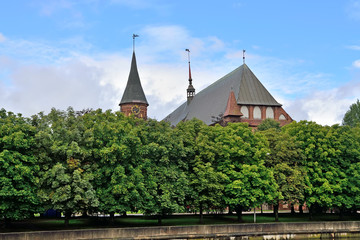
(237, 97)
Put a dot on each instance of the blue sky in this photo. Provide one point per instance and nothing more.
(78, 52)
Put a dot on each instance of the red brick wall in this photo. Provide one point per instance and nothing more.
(255, 122)
(126, 109)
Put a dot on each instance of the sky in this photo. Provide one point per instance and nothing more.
(78, 52)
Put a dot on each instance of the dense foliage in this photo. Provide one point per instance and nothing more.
(352, 116)
(103, 162)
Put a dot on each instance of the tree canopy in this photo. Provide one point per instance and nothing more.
(352, 116)
(94, 161)
(19, 168)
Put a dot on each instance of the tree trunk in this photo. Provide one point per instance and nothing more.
(230, 211)
(301, 211)
(261, 208)
(292, 209)
(239, 210)
(67, 218)
(112, 215)
(311, 208)
(84, 214)
(276, 211)
(159, 219)
(7, 222)
(341, 213)
(201, 213)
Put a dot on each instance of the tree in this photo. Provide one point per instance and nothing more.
(350, 162)
(268, 124)
(284, 160)
(324, 177)
(70, 189)
(352, 116)
(64, 147)
(241, 158)
(206, 183)
(165, 179)
(18, 168)
(116, 161)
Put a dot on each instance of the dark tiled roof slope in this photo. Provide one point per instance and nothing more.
(211, 102)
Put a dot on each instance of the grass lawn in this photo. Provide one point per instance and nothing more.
(43, 224)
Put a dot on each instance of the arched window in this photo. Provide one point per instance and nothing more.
(245, 111)
(257, 113)
(269, 112)
(282, 117)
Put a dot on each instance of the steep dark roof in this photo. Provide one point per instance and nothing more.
(211, 102)
(252, 92)
(134, 92)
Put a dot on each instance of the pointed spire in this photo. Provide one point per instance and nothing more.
(134, 92)
(190, 90)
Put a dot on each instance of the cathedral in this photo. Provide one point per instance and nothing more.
(239, 96)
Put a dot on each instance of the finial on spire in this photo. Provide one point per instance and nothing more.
(134, 36)
(243, 56)
(190, 79)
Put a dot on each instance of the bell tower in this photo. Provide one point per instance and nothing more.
(133, 101)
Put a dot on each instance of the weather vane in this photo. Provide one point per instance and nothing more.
(188, 54)
(244, 56)
(134, 36)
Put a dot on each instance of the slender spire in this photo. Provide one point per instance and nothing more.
(190, 90)
(243, 56)
(134, 92)
(190, 79)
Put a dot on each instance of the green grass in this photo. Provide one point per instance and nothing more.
(43, 224)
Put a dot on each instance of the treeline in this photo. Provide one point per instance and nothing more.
(94, 161)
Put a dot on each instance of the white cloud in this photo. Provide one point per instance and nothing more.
(2, 38)
(353, 10)
(325, 107)
(354, 47)
(48, 8)
(36, 88)
(356, 63)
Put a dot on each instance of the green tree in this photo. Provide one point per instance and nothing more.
(242, 157)
(321, 147)
(284, 160)
(165, 179)
(70, 189)
(117, 162)
(206, 183)
(268, 124)
(64, 147)
(350, 159)
(352, 116)
(18, 168)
